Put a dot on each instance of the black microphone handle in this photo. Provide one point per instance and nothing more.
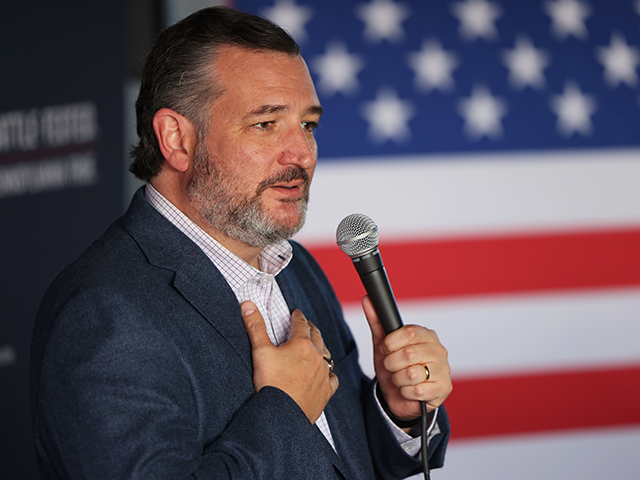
(376, 283)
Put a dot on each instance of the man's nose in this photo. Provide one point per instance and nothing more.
(300, 148)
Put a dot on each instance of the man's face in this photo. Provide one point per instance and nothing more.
(253, 170)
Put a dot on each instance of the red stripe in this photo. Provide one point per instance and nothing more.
(472, 266)
(544, 402)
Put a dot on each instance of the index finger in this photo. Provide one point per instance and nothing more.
(316, 336)
(407, 335)
(299, 325)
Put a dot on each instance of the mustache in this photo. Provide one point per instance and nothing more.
(288, 175)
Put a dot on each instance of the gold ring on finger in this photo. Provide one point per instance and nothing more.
(330, 363)
(427, 373)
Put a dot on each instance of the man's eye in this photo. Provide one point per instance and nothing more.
(310, 126)
(264, 125)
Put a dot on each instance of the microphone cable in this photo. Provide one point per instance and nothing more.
(423, 438)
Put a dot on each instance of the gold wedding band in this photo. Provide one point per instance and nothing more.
(427, 373)
(330, 363)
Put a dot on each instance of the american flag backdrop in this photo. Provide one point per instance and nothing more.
(496, 143)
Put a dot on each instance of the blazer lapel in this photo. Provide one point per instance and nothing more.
(296, 298)
(196, 277)
(204, 287)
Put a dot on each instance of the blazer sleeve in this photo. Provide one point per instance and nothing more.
(392, 459)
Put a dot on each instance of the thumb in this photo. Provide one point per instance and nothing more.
(254, 324)
(377, 331)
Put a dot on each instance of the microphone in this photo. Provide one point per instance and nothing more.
(357, 236)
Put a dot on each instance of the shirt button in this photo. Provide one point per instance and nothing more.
(265, 279)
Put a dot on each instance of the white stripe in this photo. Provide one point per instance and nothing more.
(586, 455)
(523, 333)
(477, 194)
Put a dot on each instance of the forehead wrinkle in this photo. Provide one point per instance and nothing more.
(273, 109)
(267, 110)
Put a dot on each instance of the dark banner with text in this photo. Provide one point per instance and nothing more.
(61, 164)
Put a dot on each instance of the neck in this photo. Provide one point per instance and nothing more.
(240, 249)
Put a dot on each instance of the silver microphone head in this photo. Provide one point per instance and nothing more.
(357, 234)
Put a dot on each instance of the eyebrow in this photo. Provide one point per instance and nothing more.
(315, 110)
(271, 109)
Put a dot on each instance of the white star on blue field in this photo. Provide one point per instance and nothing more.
(411, 76)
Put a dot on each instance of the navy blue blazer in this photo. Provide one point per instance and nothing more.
(141, 369)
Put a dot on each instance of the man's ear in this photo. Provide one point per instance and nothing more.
(177, 138)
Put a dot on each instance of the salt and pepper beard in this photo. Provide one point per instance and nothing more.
(239, 216)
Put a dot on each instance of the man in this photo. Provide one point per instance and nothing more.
(193, 340)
